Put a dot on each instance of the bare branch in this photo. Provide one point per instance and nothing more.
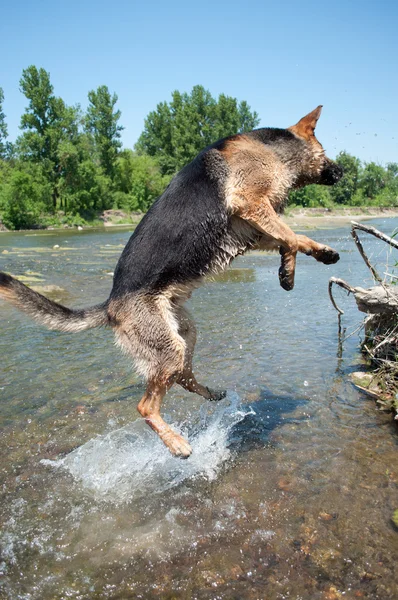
(342, 284)
(376, 233)
(361, 251)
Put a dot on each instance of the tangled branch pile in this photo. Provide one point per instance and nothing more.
(380, 345)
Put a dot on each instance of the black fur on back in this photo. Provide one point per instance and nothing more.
(5, 280)
(179, 237)
(176, 240)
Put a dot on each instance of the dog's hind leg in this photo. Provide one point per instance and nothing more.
(147, 329)
(187, 330)
(149, 408)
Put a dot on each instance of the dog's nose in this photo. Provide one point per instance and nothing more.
(331, 174)
(339, 172)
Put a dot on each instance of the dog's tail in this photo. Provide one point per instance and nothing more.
(49, 313)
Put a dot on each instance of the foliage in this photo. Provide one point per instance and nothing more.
(311, 196)
(3, 128)
(139, 180)
(86, 188)
(68, 165)
(25, 196)
(344, 190)
(47, 121)
(102, 124)
(177, 131)
(373, 180)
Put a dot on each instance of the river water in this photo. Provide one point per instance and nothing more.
(292, 484)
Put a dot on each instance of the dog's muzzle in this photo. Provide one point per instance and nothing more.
(331, 174)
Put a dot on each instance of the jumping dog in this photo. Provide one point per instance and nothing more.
(227, 201)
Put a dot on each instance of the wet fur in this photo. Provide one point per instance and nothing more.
(225, 202)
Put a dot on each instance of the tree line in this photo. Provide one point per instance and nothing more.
(68, 165)
(363, 184)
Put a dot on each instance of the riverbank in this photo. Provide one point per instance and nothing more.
(297, 217)
(322, 218)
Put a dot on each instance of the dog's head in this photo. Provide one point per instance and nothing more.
(315, 166)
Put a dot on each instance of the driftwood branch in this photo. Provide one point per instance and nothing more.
(374, 300)
(380, 299)
(380, 303)
(342, 284)
(376, 233)
(361, 251)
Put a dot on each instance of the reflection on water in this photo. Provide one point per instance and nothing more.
(293, 481)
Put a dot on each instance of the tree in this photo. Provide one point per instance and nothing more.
(102, 124)
(3, 128)
(392, 176)
(311, 196)
(344, 190)
(25, 197)
(373, 180)
(84, 187)
(138, 181)
(177, 131)
(47, 122)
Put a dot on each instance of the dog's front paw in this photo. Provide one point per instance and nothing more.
(285, 279)
(327, 256)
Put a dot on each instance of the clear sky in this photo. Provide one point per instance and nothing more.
(283, 57)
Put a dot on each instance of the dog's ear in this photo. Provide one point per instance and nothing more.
(306, 126)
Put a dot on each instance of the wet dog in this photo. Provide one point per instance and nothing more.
(225, 202)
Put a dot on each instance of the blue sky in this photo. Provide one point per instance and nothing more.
(283, 57)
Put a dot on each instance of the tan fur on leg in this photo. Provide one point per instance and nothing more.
(149, 408)
(187, 379)
(320, 252)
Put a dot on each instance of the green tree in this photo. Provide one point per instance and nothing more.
(311, 196)
(102, 123)
(47, 122)
(344, 190)
(177, 131)
(373, 180)
(3, 128)
(392, 176)
(84, 188)
(25, 197)
(138, 181)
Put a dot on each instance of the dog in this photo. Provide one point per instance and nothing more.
(227, 201)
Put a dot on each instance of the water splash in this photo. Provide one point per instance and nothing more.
(132, 462)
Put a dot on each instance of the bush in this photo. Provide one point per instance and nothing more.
(86, 189)
(311, 196)
(387, 197)
(24, 198)
(139, 179)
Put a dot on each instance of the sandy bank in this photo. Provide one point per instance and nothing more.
(319, 218)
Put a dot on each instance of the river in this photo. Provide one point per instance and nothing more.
(291, 487)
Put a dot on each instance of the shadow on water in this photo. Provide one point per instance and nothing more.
(269, 411)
